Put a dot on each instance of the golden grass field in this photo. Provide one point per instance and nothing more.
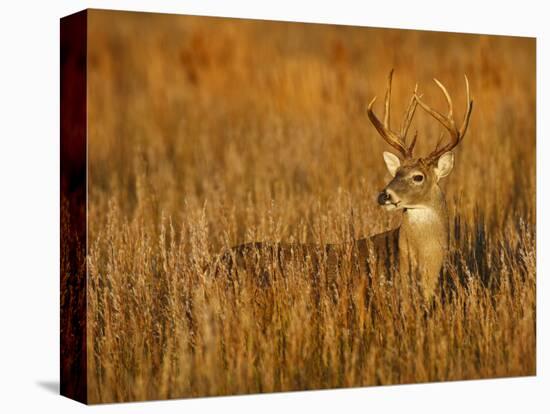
(206, 133)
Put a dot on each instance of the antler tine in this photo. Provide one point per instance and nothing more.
(469, 108)
(389, 136)
(395, 139)
(409, 114)
(387, 101)
(448, 121)
(447, 96)
(413, 143)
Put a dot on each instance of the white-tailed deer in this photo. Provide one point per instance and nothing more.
(419, 246)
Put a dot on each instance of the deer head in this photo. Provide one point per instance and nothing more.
(416, 179)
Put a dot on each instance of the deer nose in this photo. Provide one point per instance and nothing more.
(383, 197)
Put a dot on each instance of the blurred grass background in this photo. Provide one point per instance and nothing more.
(209, 132)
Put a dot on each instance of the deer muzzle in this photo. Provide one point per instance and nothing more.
(388, 199)
(383, 198)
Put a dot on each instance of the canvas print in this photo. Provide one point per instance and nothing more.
(255, 206)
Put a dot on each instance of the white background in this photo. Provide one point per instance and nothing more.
(29, 194)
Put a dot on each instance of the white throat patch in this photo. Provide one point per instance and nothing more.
(422, 215)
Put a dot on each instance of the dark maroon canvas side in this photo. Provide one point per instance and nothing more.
(73, 54)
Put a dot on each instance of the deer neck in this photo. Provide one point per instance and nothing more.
(424, 237)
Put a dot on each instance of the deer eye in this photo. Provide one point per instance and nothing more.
(418, 178)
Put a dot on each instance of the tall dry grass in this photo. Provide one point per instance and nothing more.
(206, 133)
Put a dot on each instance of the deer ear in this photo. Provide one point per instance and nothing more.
(392, 162)
(444, 165)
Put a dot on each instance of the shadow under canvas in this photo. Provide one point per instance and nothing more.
(50, 386)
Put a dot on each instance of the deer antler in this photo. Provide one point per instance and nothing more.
(397, 140)
(448, 121)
